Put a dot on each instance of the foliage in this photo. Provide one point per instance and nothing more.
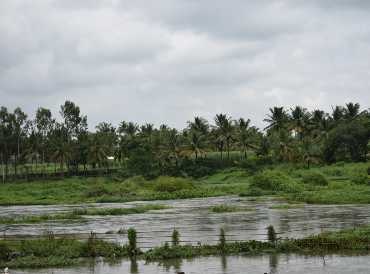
(132, 241)
(175, 238)
(271, 234)
(275, 181)
(226, 208)
(168, 184)
(315, 178)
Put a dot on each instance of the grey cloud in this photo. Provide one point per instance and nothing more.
(168, 60)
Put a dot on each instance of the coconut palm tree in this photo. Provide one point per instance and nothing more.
(277, 119)
(352, 111)
(97, 154)
(299, 121)
(225, 128)
(243, 134)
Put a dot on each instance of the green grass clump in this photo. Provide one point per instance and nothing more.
(315, 178)
(227, 208)
(360, 177)
(125, 211)
(78, 214)
(39, 218)
(170, 184)
(275, 181)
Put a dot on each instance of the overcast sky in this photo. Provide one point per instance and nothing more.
(165, 61)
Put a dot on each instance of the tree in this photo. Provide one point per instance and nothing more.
(299, 121)
(44, 122)
(277, 119)
(225, 130)
(97, 154)
(244, 135)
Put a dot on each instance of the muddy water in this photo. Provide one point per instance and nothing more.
(273, 264)
(193, 219)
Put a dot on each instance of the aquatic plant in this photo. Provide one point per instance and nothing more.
(132, 241)
(222, 239)
(271, 234)
(175, 237)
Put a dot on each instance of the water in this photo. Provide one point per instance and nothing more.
(272, 264)
(195, 222)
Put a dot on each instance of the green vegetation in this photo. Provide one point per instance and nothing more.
(51, 251)
(78, 213)
(175, 238)
(48, 147)
(227, 208)
(335, 184)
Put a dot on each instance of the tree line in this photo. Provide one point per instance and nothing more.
(292, 135)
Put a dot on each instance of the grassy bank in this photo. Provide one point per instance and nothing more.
(65, 252)
(90, 190)
(336, 184)
(79, 213)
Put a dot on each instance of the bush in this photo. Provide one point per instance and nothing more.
(4, 251)
(252, 192)
(170, 184)
(315, 178)
(359, 177)
(275, 181)
(97, 190)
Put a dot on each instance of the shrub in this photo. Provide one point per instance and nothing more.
(252, 192)
(175, 238)
(97, 190)
(222, 239)
(315, 178)
(271, 234)
(359, 177)
(4, 251)
(275, 181)
(132, 241)
(170, 184)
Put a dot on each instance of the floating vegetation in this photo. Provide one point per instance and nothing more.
(228, 208)
(78, 214)
(52, 251)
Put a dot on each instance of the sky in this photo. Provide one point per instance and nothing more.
(166, 61)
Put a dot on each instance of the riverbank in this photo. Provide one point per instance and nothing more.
(53, 252)
(335, 184)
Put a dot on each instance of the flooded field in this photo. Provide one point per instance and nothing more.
(273, 264)
(194, 220)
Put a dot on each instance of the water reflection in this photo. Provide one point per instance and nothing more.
(272, 264)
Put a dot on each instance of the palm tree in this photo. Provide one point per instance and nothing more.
(299, 120)
(196, 141)
(352, 111)
(225, 130)
(174, 144)
(243, 135)
(338, 113)
(62, 153)
(97, 154)
(277, 119)
(199, 124)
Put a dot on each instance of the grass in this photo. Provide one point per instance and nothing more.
(52, 252)
(79, 213)
(227, 208)
(336, 184)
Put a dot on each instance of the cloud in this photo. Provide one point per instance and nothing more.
(164, 61)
